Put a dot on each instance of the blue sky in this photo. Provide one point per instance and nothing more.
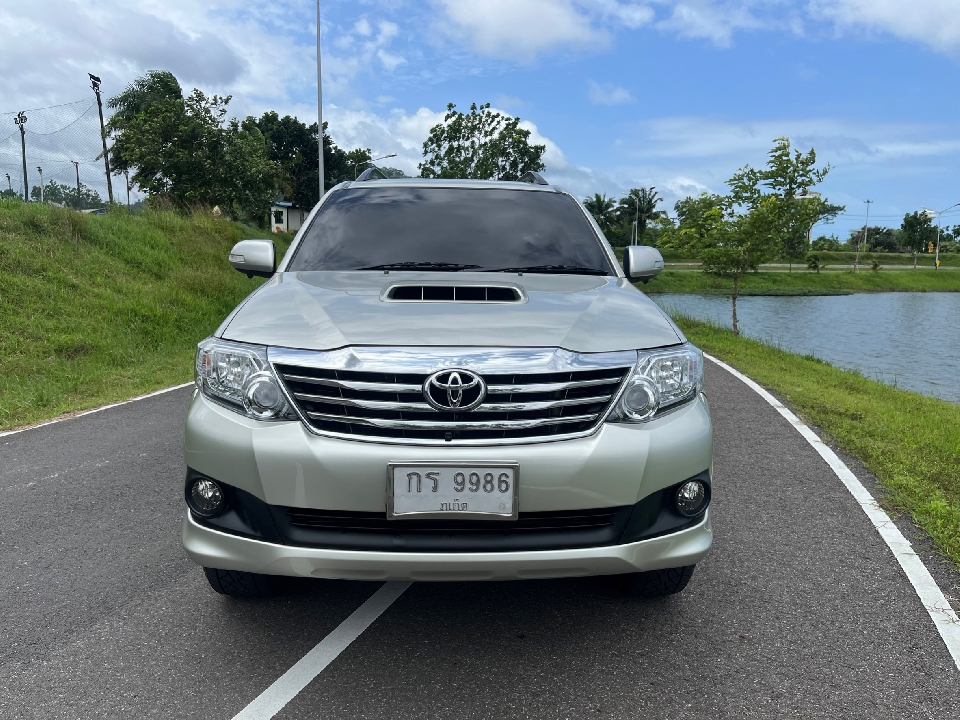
(672, 93)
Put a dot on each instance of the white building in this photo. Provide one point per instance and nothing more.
(286, 217)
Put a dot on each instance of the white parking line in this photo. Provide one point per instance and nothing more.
(273, 699)
(930, 594)
(95, 410)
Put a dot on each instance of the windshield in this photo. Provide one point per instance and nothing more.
(450, 230)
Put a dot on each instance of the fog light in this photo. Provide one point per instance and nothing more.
(206, 498)
(691, 498)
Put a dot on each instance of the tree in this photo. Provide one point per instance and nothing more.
(814, 263)
(826, 243)
(481, 145)
(916, 232)
(789, 176)
(640, 206)
(879, 239)
(603, 210)
(728, 244)
(66, 195)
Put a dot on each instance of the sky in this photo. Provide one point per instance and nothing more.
(677, 94)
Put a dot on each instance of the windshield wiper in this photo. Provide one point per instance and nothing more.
(440, 266)
(555, 269)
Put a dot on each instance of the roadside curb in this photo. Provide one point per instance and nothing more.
(95, 410)
(931, 596)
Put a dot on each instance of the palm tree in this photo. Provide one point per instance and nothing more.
(640, 206)
(603, 210)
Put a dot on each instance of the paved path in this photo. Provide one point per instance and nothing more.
(799, 611)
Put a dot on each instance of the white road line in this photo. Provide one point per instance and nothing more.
(930, 594)
(273, 699)
(95, 410)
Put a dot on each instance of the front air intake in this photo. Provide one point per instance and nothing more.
(454, 293)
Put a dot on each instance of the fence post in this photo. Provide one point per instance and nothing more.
(20, 120)
(95, 84)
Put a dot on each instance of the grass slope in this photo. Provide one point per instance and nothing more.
(99, 309)
(910, 442)
(805, 282)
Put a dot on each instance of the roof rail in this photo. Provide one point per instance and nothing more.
(534, 178)
(371, 173)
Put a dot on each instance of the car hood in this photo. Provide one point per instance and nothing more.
(329, 310)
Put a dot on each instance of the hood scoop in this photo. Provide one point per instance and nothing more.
(452, 293)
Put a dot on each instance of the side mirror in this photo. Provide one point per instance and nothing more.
(642, 262)
(254, 257)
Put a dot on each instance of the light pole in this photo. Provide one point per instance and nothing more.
(809, 195)
(20, 120)
(40, 170)
(76, 164)
(95, 84)
(866, 224)
(319, 103)
(126, 176)
(939, 215)
(356, 165)
(636, 218)
(9, 183)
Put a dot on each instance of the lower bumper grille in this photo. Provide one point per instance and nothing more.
(372, 531)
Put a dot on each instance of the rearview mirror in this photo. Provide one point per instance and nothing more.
(254, 257)
(642, 262)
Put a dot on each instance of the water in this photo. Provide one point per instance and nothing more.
(908, 340)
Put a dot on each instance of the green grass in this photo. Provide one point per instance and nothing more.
(806, 282)
(924, 260)
(99, 309)
(910, 442)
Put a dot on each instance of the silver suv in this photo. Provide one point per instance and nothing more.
(447, 380)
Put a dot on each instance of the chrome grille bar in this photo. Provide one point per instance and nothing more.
(424, 407)
(356, 384)
(549, 387)
(456, 425)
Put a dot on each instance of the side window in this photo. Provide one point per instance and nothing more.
(278, 217)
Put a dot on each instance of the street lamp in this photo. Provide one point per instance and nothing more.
(40, 170)
(931, 214)
(356, 165)
(809, 195)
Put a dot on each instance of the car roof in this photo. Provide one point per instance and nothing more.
(445, 183)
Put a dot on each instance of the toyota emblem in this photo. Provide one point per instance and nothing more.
(454, 390)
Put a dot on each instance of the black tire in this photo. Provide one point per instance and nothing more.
(238, 584)
(657, 583)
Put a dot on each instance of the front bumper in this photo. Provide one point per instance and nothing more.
(212, 548)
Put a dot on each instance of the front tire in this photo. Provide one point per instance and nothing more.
(659, 583)
(239, 584)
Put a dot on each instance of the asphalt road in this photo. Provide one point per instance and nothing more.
(800, 610)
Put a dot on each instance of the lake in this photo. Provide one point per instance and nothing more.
(908, 340)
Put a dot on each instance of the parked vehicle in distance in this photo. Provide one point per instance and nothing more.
(448, 380)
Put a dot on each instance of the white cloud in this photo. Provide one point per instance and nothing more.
(608, 94)
(709, 20)
(524, 29)
(932, 22)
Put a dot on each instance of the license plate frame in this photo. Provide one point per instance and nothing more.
(458, 514)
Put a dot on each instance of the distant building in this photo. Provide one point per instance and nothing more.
(286, 217)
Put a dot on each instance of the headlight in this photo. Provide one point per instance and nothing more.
(239, 377)
(661, 379)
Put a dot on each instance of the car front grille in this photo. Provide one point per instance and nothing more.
(388, 405)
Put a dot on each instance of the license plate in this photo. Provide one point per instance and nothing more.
(486, 491)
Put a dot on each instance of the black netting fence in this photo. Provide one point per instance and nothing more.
(61, 140)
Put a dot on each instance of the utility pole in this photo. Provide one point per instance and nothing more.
(126, 176)
(856, 263)
(20, 120)
(40, 170)
(9, 183)
(95, 84)
(319, 102)
(76, 164)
